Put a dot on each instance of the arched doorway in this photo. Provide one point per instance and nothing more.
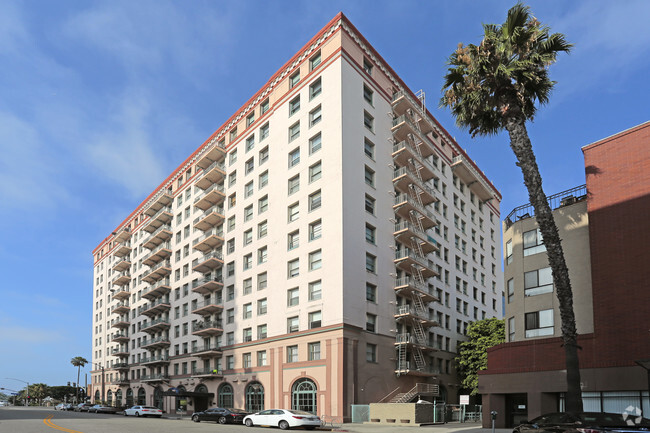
(181, 402)
(118, 398)
(158, 398)
(303, 395)
(129, 397)
(225, 395)
(97, 396)
(254, 397)
(109, 398)
(201, 403)
(142, 397)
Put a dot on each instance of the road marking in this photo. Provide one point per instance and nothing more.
(48, 422)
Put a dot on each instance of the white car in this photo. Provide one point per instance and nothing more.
(143, 411)
(283, 418)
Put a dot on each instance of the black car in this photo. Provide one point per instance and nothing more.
(221, 415)
(591, 422)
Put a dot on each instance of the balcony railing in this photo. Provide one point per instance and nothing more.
(555, 201)
(154, 378)
(157, 289)
(404, 149)
(403, 177)
(206, 372)
(161, 199)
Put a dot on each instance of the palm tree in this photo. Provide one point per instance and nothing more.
(78, 361)
(38, 391)
(494, 86)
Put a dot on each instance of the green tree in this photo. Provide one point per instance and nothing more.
(38, 391)
(78, 361)
(496, 85)
(472, 354)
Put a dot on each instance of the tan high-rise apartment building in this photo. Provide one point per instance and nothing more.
(327, 245)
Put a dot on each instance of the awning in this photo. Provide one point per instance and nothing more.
(187, 394)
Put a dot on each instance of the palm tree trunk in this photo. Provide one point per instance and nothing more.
(77, 393)
(521, 146)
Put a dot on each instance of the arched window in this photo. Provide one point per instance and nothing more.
(97, 397)
(118, 398)
(129, 397)
(158, 398)
(254, 397)
(109, 398)
(201, 388)
(226, 396)
(303, 395)
(142, 397)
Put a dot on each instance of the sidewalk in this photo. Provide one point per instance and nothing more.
(438, 428)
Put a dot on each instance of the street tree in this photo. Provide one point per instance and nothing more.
(472, 354)
(497, 85)
(78, 361)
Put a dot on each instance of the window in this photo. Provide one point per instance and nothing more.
(263, 179)
(261, 331)
(370, 204)
(368, 121)
(538, 281)
(293, 240)
(246, 357)
(248, 261)
(261, 281)
(511, 289)
(371, 322)
(511, 329)
(231, 223)
(233, 133)
(315, 319)
(371, 352)
(314, 61)
(533, 243)
(369, 148)
(230, 315)
(315, 116)
(248, 236)
(264, 155)
(248, 213)
(293, 268)
(292, 212)
(367, 66)
(315, 230)
(315, 143)
(250, 165)
(262, 255)
(250, 119)
(371, 292)
(261, 307)
(315, 89)
(315, 260)
(369, 176)
(315, 290)
(292, 297)
(262, 229)
(292, 324)
(367, 94)
(294, 79)
(314, 201)
(232, 200)
(294, 157)
(294, 184)
(264, 106)
(264, 131)
(509, 252)
(315, 172)
(370, 234)
(539, 323)
(248, 286)
(247, 311)
(232, 157)
(263, 204)
(250, 143)
(294, 105)
(294, 131)
(371, 263)
(313, 351)
(230, 364)
(292, 353)
(248, 189)
(261, 358)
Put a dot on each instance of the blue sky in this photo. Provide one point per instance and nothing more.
(101, 100)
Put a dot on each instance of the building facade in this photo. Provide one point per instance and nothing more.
(328, 245)
(604, 232)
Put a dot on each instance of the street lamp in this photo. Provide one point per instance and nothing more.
(103, 383)
(27, 392)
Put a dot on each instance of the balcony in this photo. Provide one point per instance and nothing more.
(160, 200)
(209, 241)
(207, 328)
(206, 351)
(404, 154)
(407, 233)
(122, 278)
(121, 381)
(408, 286)
(155, 360)
(152, 378)
(120, 337)
(122, 352)
(408, 261)
(155, 326)
(428, 371)
(157, 272)
(159, 253)
(207, 373)
(207, 307)
(162, 234)
(155, 343)
(120, 308)
(121, 293)
(154, 308)
(207, 285)
(122, 235)
(156, 290)
(212, 174)
(409, 313)
(122, 265)
(403, 103)
(473, 177)
(409, 341)
(209, 219)
(121, 323)
(123, 249)
(163, 217)
(121, 366)
(208, 262)
(214, 153)
(406, 128)
(407, 181)
(214, 195)
(405, 206)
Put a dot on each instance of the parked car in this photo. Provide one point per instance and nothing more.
(592, 422)
(82, 407)
(143, 411)
(63, 406)
(100, 408)
(221, 415)
(283, 418)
